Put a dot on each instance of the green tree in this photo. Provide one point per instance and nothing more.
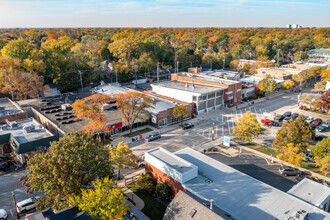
(69, 165)
(17, 49)
(180, 111)
(322, 148)
(103, 201)
(122, 157)
(267, 85)
(247, 127)
(300, 56)
(163, 191)
(291, 154)
(288, 84)
(296, 132)
(146, 182)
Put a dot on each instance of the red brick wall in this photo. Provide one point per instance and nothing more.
(169, 112)
(161, 177)
(15, 117)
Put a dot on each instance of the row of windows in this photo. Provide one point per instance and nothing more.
(231, 92)
(209, 96)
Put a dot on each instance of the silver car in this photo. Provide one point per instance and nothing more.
(26, 204)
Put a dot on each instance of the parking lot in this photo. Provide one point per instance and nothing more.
(257, 168)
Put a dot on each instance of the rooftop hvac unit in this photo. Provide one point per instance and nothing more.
(301, 215)
(29, 129)
(66, 107)
(13, 124)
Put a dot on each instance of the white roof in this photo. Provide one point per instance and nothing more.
(311, 192)
(240, 195)
(111, 89)
(257, 79)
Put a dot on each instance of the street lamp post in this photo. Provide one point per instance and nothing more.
(213, 132)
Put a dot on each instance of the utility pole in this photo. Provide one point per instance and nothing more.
(190, 63)
(116, 75)
(81, 82)
(135, 67)
(211, 64)
(177, 67)
(278, 56)
(224, 62)
(158, 72)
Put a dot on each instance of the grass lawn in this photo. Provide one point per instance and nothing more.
(310, 166)
(135, 133)
(263, 149)
(153, 208)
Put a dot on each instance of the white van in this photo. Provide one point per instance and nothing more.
(26, 204)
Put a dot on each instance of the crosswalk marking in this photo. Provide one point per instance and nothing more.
(248, 156)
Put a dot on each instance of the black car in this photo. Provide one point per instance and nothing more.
(286, 119)
(279, 117)
(320, 137)
(187, 125)
(5, 165)
(312, 125)
(153, 136)
(287, 114)
(294, 116)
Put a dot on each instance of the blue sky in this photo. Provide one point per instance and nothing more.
(164, 13)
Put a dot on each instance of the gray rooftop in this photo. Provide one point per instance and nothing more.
(240, 195)
(111, 89)
(322, 50)
(189, 87)
(185, 203)
(160, 104)
(171, 159)
(311, 192)
(256, 80)
(8, 107)
(209, 78)
(21, 135)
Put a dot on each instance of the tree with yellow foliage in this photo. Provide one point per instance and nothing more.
(91, 109)
(288, 84)
(122, 156)
(247, 127)
(180, 111)
(291, 154)
(323, 164)
(102, 201)
(133, 105)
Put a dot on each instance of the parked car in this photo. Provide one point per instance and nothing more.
(153, 136)
(279, 117)
(309, 119)
(5, 165)
(317, 122)
(320, 137)
(326, 123)
(26, 204)
(266, 121)
(308, 157)
(140, 163)
(289, 171)
(3, 214)
(286, 119)
(287, 114)
(320, 128)
(313, 126)
(276, 123)
(187, 125)
(294, 116)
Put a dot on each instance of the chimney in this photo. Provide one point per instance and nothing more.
(211, 204)
(193, 85)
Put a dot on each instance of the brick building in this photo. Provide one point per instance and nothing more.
(10, 110)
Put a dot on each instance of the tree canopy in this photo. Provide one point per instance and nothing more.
(72, 163)
(180, 111)
(247, 127)
(268, 84)
(102, 201)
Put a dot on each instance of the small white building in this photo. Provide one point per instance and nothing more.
(313, 193)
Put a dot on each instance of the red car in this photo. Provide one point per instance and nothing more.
(317, 122)
(266, 121)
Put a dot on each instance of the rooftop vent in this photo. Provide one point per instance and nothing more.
(208, 181)
(29, 129)
(301, 215)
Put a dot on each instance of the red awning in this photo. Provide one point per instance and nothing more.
(114, 126)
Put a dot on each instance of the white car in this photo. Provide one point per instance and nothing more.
(26, 204)
(326, 124)
(3, 214)
(309, 119)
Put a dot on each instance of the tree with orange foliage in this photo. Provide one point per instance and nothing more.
(21, 85)
(133, 106)
(91, 109)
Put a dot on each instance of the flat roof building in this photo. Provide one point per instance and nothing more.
(237, 194)
(25, 136)
(10, 110)
(306, 66)
(322, 55)
(279, 73)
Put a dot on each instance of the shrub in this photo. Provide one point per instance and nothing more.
(146, 182)
(163, 191)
